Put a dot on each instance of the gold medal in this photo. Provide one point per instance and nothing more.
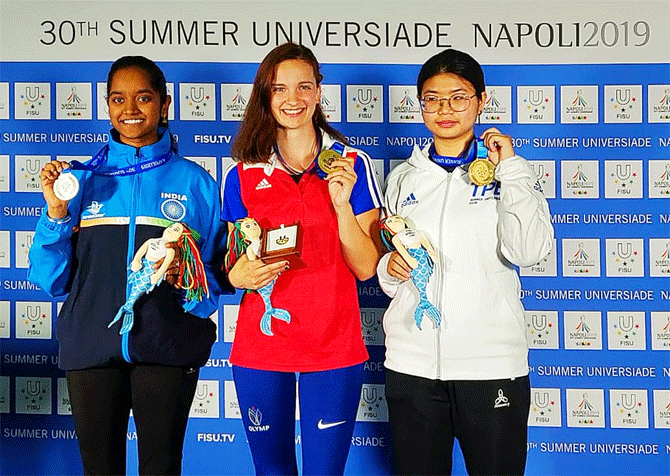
(326, 158)
(481, 172)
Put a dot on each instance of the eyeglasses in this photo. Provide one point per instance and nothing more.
(457, 103)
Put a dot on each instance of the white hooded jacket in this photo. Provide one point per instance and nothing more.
(479, 234)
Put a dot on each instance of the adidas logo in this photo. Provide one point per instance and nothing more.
(411, 200)
(263, 184)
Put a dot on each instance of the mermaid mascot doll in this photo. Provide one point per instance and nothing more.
(419, 254)
(246, 238)
(144, 278)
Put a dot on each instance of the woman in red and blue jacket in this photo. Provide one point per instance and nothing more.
(277, 182)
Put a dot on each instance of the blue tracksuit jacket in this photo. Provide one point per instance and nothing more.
(88, 259)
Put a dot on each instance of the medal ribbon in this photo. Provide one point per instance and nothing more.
(338, 147)
(96, 162)
(476, 149)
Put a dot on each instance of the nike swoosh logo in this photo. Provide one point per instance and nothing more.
(322, 426)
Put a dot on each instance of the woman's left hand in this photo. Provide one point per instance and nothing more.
(499, 145)
(341, 181)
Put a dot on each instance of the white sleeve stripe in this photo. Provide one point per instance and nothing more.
(373, 186)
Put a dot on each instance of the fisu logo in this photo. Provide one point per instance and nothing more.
(31, 100)
(197, 101)
(545, 407)
(626, 323)
(539, 322)
(623, 179)
(536, 97)
(369, 396)
(628, 409)
(364, 96)
(32, 95)
(198, 96)
(33, 166)
(34, 314)
(624, 254)
(372, 405)
(33, 395)
(202, 392)
(629, 401)
(365, 103)
(622, 96)
(624, 171)
(541, 401)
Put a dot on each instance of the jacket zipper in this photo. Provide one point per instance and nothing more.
(131, 250)
(440, 287)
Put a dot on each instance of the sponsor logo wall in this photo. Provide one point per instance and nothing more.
(584, 93)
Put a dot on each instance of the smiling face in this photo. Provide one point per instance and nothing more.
(450, 128)
(134, 107)
(294, 94)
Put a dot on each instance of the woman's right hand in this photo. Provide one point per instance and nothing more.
(254, 274)
(398, 267)
(56, 208)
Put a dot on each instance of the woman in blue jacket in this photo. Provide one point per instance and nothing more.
(84, 247)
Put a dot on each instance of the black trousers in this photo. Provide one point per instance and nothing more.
(489, 418)
(160, 398)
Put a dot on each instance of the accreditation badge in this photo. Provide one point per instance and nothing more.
(66, 186)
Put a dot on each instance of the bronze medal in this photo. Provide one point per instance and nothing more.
(481, 172)
(326, 158)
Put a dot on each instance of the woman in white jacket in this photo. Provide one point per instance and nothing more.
(466, 378)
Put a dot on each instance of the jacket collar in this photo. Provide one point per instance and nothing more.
(121, 154)
(420, 159)
(326, 142)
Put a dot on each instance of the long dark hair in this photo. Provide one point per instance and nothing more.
(156, 79)
(454, 62)
(258, 131)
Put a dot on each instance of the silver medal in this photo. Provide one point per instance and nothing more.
(66, 186)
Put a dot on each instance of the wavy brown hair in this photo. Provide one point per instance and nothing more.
(258, 131)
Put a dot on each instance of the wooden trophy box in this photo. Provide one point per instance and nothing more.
(283, 243)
